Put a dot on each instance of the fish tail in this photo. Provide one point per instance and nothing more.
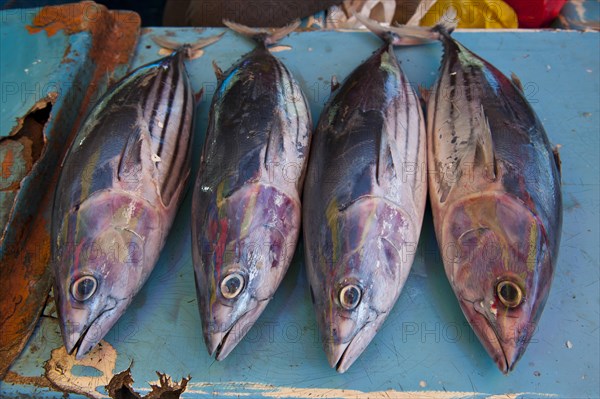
(447, 23)
(188, 49)
(400, 35)
(264, 36)
(445, 26)
(411, 34)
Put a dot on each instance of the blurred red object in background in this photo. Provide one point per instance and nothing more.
(536, 13)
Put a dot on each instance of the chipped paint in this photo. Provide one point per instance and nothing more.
(99, 21)
(280, 48)
(249, 389)
(121, 386)
(521, 395)
(38, 381)
(59, 370)
(19, 152)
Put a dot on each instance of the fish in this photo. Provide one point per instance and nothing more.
(246, 204)
(364, 201)
(119, 188)
(495, 193)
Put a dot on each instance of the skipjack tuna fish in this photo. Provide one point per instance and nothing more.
(121, 183)
(494, 186)
(246, 203)
(364, 201)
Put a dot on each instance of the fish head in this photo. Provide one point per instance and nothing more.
(240, 258)
(100, 264)
(368, 269)
(501, 270)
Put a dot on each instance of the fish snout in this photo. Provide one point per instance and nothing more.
(341, 355)
(512, 353)
(503, 335)
(82, 331)
(222, 338)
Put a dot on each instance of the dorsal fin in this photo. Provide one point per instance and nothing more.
(264, 36)
(485, 147)
(334, 83)
(218, 72)
(557, 161)
(198, 96)
(517, 82)
(424, 92)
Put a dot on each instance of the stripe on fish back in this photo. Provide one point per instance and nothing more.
(259, 124)
(374, 132)
(411, 117)
(463, 139)
(402, 121)
(166, 107)
(289, 96)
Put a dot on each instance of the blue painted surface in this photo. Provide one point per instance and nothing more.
(425, 340)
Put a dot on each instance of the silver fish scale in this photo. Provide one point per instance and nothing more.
(166, 106)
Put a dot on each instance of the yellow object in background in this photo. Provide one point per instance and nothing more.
(490, 14)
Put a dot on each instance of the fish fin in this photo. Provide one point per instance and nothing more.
(165, 43)
(205, 42)
(218, 72)
(516, 81)
(334, 83)
(448, 22)
(130, 161)
(393, 257)
(484, 151)
(557, 161)
(264, 36)
(399, 35)
(409, 34)
(424, 92)
(385, 158)
(198, 95)
(422, 9)
(190, 48)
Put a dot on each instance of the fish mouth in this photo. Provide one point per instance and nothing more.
(221, 343)
(505, 355)
(81, 342)
(504, 350)
(342, 356)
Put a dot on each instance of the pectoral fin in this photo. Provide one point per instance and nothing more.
(130, 163)
(484, 152)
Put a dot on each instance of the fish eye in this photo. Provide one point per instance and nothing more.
(350, 296)
(509, 293)
(83, 288)
(232, 285)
